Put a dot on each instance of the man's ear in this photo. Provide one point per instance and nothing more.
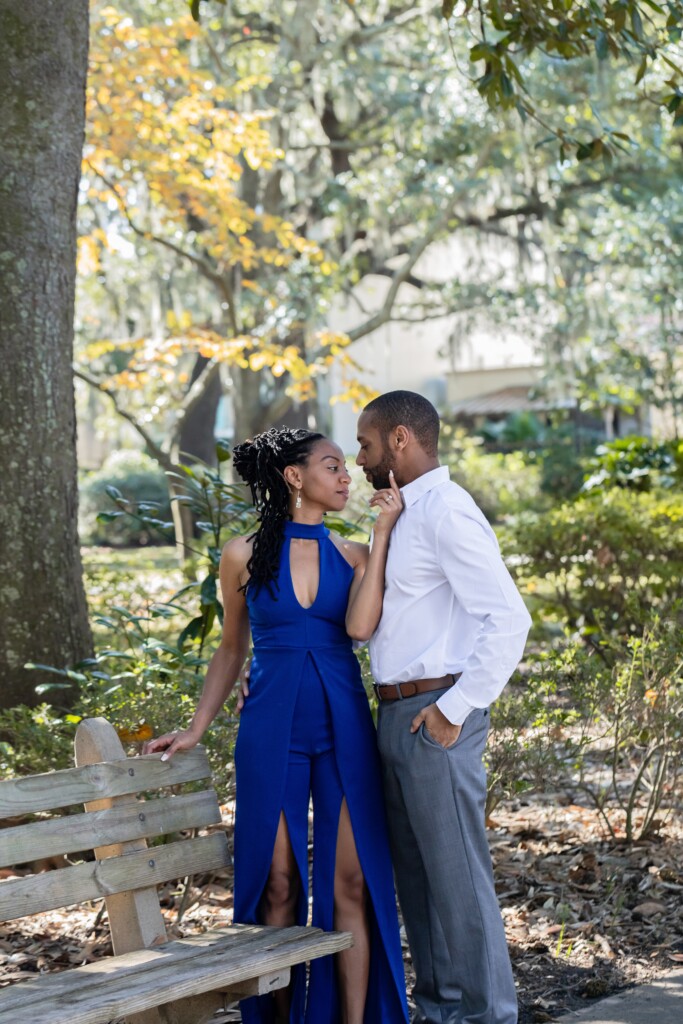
(401, 437)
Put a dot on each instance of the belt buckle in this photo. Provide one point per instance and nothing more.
(378, 686)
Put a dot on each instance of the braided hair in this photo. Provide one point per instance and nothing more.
(260, 462)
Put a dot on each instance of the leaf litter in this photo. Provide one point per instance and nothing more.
(584, 916)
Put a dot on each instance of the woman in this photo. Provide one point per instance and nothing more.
(306, 730)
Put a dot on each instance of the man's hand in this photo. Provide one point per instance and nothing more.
(437, 725)
(243, 687)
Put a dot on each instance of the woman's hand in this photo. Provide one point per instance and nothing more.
(171, 743)
(389, 504)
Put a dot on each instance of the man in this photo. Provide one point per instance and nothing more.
(452, 630)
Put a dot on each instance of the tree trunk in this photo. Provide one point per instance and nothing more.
(43, 611)
(198, 433)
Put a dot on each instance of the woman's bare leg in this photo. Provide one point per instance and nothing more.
(350, 915)
(279, 900)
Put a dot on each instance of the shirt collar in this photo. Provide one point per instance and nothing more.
(413, 491)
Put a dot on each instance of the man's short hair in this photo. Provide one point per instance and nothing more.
(407, 409)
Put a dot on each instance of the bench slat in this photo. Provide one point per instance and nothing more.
(127, 964)
(136, 820)
(36, 893)
(113, 988)
(94, 781)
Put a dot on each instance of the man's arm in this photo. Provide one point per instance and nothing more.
(468, 552)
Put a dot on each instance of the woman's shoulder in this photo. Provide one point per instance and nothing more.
(355, 553)
(237, 551)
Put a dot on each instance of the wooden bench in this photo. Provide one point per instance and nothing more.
(148, 980)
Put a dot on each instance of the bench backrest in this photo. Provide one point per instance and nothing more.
(116, 824)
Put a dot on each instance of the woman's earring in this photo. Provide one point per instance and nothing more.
(298, 500)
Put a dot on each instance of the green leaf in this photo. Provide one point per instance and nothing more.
(107, 517)
(447, 8)
(482, 51)
(193, 631)
(114, 493)
(637, 23)
(507, 88)
(46, 687)
(208, 591)
(223, 452)
(602, 45)
(194, 9)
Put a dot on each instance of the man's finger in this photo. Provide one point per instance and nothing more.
(417, 721)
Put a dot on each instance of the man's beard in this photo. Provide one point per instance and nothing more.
(379, 474)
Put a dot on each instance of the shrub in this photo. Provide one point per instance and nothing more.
(611, 729)
(35, 740)
(137, 478)
(604, 564)
(501, 483)
(633, 462)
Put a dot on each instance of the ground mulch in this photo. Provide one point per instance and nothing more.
(585, 916)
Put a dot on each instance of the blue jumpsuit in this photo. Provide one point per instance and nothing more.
(306, 730)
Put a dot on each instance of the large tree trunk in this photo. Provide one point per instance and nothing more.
(43, 612)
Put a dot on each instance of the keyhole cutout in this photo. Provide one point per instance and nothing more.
(304, 570)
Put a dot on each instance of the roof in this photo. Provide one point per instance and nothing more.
(509, 400)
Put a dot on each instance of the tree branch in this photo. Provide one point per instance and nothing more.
(156, 450)
(401, 275)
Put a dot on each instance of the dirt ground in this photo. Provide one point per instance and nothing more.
(584, 917)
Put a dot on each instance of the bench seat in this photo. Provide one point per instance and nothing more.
(238, 961)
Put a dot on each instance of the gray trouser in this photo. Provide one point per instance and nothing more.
(435, 803)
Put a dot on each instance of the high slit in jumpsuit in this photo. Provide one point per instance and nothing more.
(306, 731)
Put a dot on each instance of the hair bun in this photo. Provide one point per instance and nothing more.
(269, 447)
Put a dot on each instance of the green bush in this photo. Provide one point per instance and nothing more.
(604, 564)
(138, 479)
(610, 729)
(501, 483)
(636, 463)
(35, 740)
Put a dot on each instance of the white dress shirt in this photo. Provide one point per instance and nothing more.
(450, 604)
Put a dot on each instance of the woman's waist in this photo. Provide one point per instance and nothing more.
(277, 646)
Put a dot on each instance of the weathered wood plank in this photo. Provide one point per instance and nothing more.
(131, 963)
(36, 893)
(125, 985)
(135, 918)
(35, 793)
(119, 824)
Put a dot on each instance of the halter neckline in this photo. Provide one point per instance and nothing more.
(306, 531)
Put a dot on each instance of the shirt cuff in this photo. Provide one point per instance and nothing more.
(454, 706)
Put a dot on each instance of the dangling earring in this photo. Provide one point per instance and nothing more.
(298, 500)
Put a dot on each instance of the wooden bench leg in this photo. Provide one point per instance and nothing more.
(193, 1010)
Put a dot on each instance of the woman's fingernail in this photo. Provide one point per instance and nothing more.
(164, 757)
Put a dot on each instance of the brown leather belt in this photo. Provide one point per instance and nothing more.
(399, 691)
